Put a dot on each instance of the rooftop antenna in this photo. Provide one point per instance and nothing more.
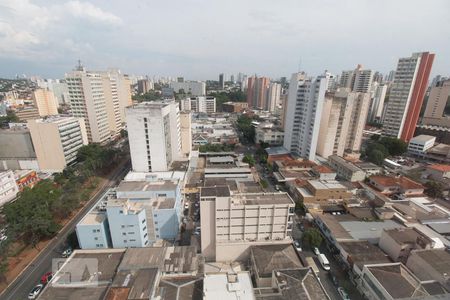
(79, 66)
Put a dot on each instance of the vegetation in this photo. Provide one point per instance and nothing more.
(217, 148)
(149, 96)
(434, 189)
(263, 184)
(9, 118)
(249, 159)
(227, 96)
(261, 154)
(244, 125)
(313, 237)
(380, 148)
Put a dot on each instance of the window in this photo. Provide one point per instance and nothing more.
(120, 211)
(143, 221)
(123, 226)
(124, 233)
(96, 238)
(130, 232)
(124, 241)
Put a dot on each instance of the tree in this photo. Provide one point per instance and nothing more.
(249, 159)
(313, 237)
(434, 189)
(393, 145)
(376, 156)
(264, 184)
(244, 125)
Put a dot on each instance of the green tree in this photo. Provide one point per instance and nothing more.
(249, 159)
(376, 156)
(9, 118)
(264, 184)
(393, 145)
(244, 125)
(313, 237)
(434, 189)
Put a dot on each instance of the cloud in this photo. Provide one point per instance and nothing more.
(88, 11)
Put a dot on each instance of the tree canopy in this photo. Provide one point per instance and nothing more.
(313, 237)
(244, 125)
(380, 148)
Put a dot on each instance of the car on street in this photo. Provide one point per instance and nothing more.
(343, 294)
(316, 251)
(186, 205)
(277, 187)
(66, 253)
(333, 279)
(46, 277)
(35, 291)
(297, 246)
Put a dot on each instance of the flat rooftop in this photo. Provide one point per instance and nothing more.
(364, 253)
(347, 164)
(326, 184)
(163, 203)
(145, 176)
(136, 284)
(143, 186)
(404, 235)
(181, 259)
(422, 138)
(262, 199)
(228, 286)
(361, 230)
(94, 217)
(138, 258)
(215, 191)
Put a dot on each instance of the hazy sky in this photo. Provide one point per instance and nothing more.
(200, 38)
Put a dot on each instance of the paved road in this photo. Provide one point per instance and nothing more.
(22, 285)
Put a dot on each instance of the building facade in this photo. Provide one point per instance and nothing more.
(202, 104)
(186, 133)
(195, 88)
(376, 107)
(303, 114)
(437, 101)
(8, 187)
(406, 95)
(45, 102)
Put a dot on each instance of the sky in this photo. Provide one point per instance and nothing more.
(199, 39)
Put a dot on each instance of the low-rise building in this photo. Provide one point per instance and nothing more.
(8, 187)
(17, 151)
(225, 286)
(231, 224)
(418, 145)
(389, 185)
(316, 193)
(356, 254)
(438, 171)
(346, 169)
(268, 133)
(199, 104)
(233, 107)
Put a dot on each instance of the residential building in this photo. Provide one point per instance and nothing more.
(27, 113)
(396, 185)
(228, 286)
(56, 141)
(344, 116)
(154, 135)
(257, 88)
(376, 107)
(399, 242)
(430, 264)
(8, 187)
(437, 101)
(87, 101)
(234, 106)
(273, 96)
(45, 102)
(144, 86)
(357, 253)
(358, 80)
(268, 133)
(26, 179)
(419, 145)
(201, 104)
(17, 151)
(195, 88)
(186, 133)
(346, 170)
(316, 194)
(226, 237)
(60, 90)
(406, 95)
(438, 172)
(303, 114)
(221, 81)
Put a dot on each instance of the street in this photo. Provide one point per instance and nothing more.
(31, 275)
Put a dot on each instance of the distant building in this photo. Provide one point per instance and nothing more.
(154, 135)
(303, 111)
(195, 88)
(186, 133)
(316, 194)
(406, 95)
(234, 106)
(202, 104)
(144, 86)
(221, 81)
(56, 141)
(8, 187)
(45, 102)
(358, 80)
(257, 88)
(376, 107)
(437, 100)
(273, 97)
(268, 133)
(350, 171)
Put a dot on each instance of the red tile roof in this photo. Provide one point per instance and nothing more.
(401, 181)
(441, 168)
(322, 169)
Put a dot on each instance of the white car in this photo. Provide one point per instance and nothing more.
(316, 251)
(297, 246)
(66, 253)
(35, 291)
(186, 205)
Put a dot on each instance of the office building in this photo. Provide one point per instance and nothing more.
(231, 224)
(435, 113)
(257, 88)
(203, 104)
(420, 144)
(56, 141)
(303, 114)
(144, 86)
(17, 151)
(45, 102)
(358, 80)
(8, 187)
(154, 135)
(186, 133)
(195, 88)
(406, 95)
(221, 81)
(376, 107)
(342, 123)
(273, 97)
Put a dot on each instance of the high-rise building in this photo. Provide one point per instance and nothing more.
(257, 88)
(144, 86)
(232, 79)
(221, 81)
(390, 77)
(195, 88)
(273, 96)
(186, 133)
(406, 95)
(204, 104)
(331, 79)
(154, 135)
(45, 101)
(303, 113)
(56, 141)
(59, 89)
(358, 80)
(376, 107)
(437, 102)
(343, 119)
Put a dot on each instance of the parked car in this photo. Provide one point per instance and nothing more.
(316, 251)
(297, 246)
(35, 291)
(66, 253)
(186, 205)
(46, 277)
(343, 294)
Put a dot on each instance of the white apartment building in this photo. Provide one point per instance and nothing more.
(230, 224)
(202, 104)
(186, 133)
(8, 187)
(127, 223)
(342, 122)
(87, 101)
(154, 135)
(267, 133)
(195, 88)
(376, 107)
(273, 96)
(303, 113)
(45, 102)
(419, 145)
(56, 141)
(357, 80)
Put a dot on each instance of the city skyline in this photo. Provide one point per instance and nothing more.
(123, 35)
